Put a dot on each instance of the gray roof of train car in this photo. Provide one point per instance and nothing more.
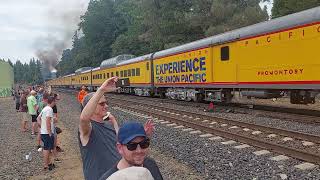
(111, 62)
(284, 22)
(137, 59)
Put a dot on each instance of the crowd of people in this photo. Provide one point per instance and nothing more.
(108, 151)
(38, 105)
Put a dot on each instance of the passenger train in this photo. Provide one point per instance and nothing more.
(264, 60)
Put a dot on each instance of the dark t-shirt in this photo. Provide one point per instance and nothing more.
(100, 153)
(148, 163)
(54, 108)
(23, 104)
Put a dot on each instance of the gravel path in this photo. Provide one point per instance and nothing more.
(15, 145)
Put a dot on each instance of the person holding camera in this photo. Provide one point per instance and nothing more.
(97, 138)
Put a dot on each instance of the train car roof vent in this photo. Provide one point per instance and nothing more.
(114, 60)
(80, 70)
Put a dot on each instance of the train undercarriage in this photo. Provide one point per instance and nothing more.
(296, 96)
(225, 95)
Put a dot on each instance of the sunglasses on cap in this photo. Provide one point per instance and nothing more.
(143, 145)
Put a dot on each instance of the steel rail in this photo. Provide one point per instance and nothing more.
(283, 132)
(295, 153)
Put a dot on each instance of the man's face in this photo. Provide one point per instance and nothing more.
(102, 107)
(134, 157)
(45, 101)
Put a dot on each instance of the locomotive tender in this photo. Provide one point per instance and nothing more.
(265, 60)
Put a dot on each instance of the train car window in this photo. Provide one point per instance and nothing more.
(147, 66)
(121, 73)
(133, 73)
(129, 72)
(225, 53)
(108, 75)
(125, 73)
(112, 74)
(117, 73)
(104, 75)
(138, 71)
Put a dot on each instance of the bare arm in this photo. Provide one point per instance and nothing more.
(48, 122)
(114, 122)
(88, 110)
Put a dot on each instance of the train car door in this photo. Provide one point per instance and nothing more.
(224, 65)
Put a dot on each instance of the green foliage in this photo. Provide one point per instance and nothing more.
(139, 27)
(28, 73)
(285, 7)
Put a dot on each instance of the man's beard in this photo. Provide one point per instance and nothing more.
(132, 163)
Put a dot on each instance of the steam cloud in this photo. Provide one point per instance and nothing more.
(49, 48)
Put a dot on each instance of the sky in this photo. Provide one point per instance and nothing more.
(30, 26)
(27, 26)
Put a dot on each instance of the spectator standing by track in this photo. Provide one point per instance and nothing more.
(97, 138)
(32, 110)
(17, 97)
(24, 110)
(81, 95)
(47, 133)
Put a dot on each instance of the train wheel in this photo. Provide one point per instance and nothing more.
(199, 97)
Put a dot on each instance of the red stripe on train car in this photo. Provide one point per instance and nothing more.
(240, 83)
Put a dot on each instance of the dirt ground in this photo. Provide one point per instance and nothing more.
(16, 144)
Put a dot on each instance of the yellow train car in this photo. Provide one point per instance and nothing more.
(263, 60)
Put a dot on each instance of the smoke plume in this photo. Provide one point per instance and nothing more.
(63, 19)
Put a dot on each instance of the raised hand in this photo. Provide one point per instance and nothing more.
(149, 128)
(109, 85)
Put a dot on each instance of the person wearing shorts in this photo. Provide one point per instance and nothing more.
(32, 110)
(47, 131)
(23, 110)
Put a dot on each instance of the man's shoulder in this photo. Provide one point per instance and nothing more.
(47, 108)
(109, 172)
(149, 160)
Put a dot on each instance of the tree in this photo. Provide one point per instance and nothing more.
(285, 7)
(140, 27)
(100, 29)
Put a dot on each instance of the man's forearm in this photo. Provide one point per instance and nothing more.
(90, 107)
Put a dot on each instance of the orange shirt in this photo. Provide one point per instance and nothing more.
(81, 95)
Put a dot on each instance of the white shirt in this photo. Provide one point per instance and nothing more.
(46, 112)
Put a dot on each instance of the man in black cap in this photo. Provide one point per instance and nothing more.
(133, 146)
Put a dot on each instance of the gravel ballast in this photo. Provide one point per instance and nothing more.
(180, 155)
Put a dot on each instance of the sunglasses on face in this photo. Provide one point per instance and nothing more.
(103, 103)
(143, 145)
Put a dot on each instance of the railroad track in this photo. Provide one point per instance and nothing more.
(297, 145)
(306, 116)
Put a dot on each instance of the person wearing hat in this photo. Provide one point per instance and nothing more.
(133, 146)
(32, 110)
(97, 138)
